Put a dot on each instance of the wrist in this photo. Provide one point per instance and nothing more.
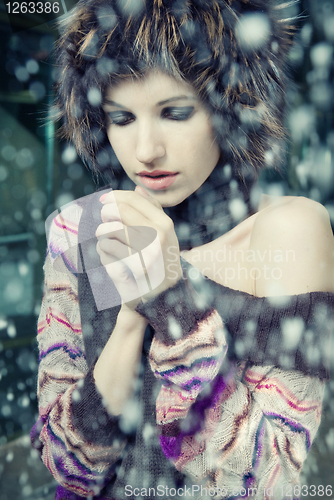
(131, 319)
(171, 279)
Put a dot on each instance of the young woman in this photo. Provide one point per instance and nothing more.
(210, 381)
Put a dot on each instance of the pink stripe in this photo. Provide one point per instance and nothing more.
(64, 226)
(40, 329)
(253, 380)
(172, 411)
(50, 315)
(312, 406)
(271, 482)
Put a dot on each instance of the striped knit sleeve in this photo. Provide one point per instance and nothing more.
(231, 427)
(78, 440)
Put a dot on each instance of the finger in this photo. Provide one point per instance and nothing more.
(121, 266)
(117, 250)
(145, 194)
(108, 197)
(136, 238)
(126, 213)
(124, 281)
(148, 207)
(106, 229)
(128, 288)
(110, 213)
(136, 211)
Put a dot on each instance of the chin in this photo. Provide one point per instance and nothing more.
(168, 199)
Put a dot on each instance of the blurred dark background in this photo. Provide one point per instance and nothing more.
(39, 173)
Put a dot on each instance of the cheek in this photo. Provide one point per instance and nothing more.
(120, 144)
(198, 138)
(206, 146)
(111, 138)
(196, 149)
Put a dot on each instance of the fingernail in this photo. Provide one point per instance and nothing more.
(102, 198)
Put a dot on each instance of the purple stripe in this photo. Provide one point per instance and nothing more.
(63, 494)
(56, 252)
(73, 353)
(293, 425)
(58, 460)
(190, 383)
(61, 467)
(250, 481)
(194, 421)
(259, 445)
(179, 370)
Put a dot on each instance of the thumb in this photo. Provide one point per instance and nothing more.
(145, 194)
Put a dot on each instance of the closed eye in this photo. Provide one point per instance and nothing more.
(120, 118)
(178, 113)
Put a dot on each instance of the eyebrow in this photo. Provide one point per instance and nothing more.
(160, 103)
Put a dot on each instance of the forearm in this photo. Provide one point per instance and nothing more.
(262, 420)
(117, 368)
(74, 432)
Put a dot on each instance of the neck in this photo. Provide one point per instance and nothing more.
(214, 209)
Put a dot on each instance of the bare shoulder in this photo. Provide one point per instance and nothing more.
(291, 210)
(294, 221)
(299, 228)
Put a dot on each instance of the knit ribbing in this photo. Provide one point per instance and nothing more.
(258, 327)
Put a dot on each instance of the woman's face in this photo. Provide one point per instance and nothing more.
(161, 135)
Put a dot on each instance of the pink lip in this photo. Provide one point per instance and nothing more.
(157, 179)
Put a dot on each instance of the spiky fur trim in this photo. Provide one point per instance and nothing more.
(197, 40)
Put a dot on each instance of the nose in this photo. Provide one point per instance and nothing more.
(150, 144)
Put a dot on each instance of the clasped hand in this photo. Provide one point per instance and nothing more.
(137, 245)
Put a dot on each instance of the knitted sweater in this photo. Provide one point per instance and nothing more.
(229, 396)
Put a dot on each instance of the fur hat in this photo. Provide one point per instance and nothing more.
(233, 52)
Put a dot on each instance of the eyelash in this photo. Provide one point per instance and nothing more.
(178, 114)
(121, 119)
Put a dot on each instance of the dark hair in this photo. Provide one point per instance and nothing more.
(209, 43)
